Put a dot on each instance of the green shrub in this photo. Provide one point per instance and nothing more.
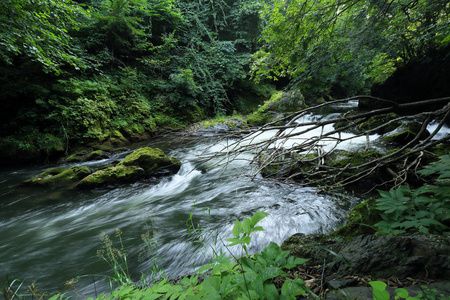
(425, 209)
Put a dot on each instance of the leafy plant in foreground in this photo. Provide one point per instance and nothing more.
(425, 209)
(249, 277)
(242, 231)
(379, 293)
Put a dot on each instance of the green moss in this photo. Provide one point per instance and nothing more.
(151, 160)
(168, 122)
(117, 138)
(405, 133)
(95, 155)
(59, 175)
(342, 158)
(380, 120)
(262, 115)
(360, 220)
(232, 122)
(274, 108)
(288, 165)
(112, 175)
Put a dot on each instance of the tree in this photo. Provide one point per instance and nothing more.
(40, 31)
(328, 42)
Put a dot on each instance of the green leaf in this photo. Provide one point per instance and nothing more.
(258, 216)
(246, 227)
(271, 292)
(271, 252)
(258, 286)
(271, 272)
(379, 290)
(257, 228)
(246, 240)
(291, 289)
(234, 241)
(237, 229)
(402, 293)
(294, 261)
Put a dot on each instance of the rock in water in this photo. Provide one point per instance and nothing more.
(59, 175)
(111, 176)
(153, 161)
(141, 163)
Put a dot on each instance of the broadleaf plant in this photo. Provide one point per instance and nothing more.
(425, 209)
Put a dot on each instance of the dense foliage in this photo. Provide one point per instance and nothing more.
(85, 72)
(425, 209)
(342, 47)
(98, 71)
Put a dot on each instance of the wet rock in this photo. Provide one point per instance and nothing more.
(380, 124)
(222, 126)
(139, 133)
(279, 106)
(111, 176)
(85, 155)
(418, 256)
(96, 155)
(290, 101)
(405, 133)
(140, 164)
(153, 161)
(59, 175)
(283, 166)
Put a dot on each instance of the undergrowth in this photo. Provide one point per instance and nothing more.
(425, 209)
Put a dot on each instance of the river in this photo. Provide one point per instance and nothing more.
(49, 236)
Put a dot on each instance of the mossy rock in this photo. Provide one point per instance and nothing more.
(78, 156)
(277, 107)
(86, 155)
(117, 139)
(405, 133)
(153, 161)
(259, 118)
(341, 158)
(298, 166)
(288, 165)
(59, 175)
(223, 125)
(112, 176)
(380, 120)
(361, 220)
(289, 101)
(96, 155)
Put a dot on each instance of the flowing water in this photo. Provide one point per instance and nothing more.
(50, 235)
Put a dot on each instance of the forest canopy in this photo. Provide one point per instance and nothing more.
(93, 71)
(351, 44)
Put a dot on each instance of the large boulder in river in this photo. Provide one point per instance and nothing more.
(112, 176)
(277, 107)
(59, 175)
(153, 161)
(141, 163)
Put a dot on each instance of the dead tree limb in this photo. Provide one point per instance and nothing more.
(307, 151)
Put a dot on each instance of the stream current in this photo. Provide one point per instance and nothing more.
(51, 235)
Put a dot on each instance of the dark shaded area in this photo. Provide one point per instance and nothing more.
(426, 77)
